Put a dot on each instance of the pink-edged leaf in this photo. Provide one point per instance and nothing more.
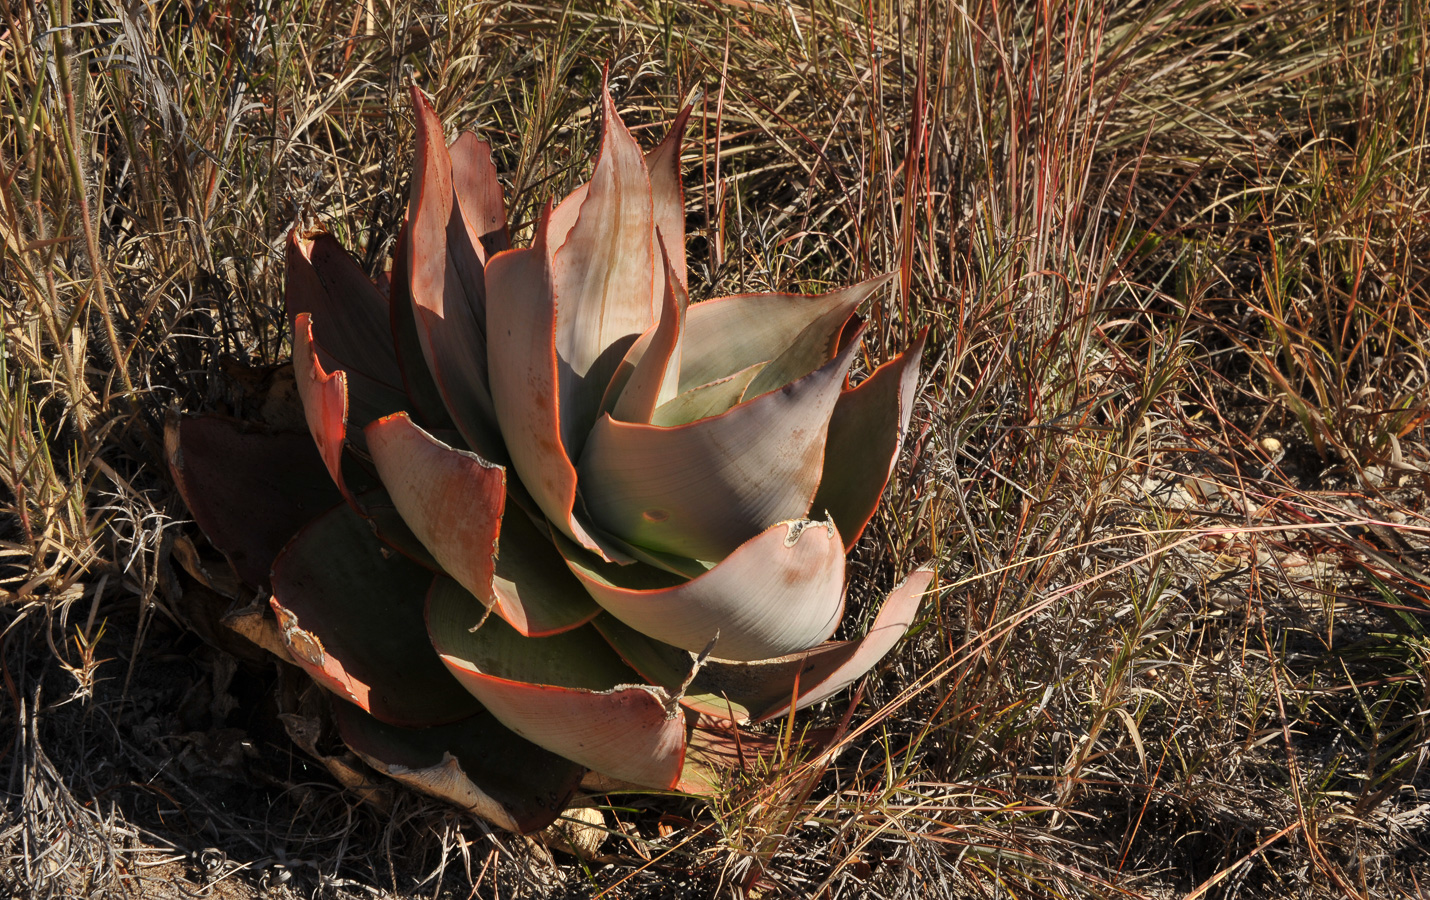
(701, 490)
(248, 488)
(522, 316)
(451, 499)
(779, 592)
(865, 434)
(477, 764)
(479, 193)
(322, 280)
(352, 617)
(761, 689)
(569, 693)
(727, 334)
(826, 670)
(668, 196)
(448, 290)
(603, 276)
(653, 379)
(325, 400)
(422, 391)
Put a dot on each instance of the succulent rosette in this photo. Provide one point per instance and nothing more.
(557, 514)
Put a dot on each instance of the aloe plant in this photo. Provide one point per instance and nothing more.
(558, 515)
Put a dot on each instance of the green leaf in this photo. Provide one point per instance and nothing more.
(865, 434)
(351, 616)
(569, 693)
(727, 334)
(707, 400)
(701, 490)
(779, 592)
(477, 763)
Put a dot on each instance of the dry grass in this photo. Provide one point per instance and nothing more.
(1171, 459)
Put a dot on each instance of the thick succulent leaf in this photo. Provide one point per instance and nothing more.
(765, 687)
(477, 763)
(534, 592)
(706, 400)
(249, 489)
(603, 276)
(653, 380)
(779, 592)
(522, 317)
(325, 400)
(479, 193)
(668, 197)
(448, 290)
(816, 345)
(451, 499)
(865, 434)
(322, 280)
(333, 400)
(569, 693)
(701, 490)
(727, 334)
(389, 526)
(762, 689)
(351, 616)
(422, 392)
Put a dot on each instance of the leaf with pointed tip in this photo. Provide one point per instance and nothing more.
(522, 315)
(727, 334)
(652, 381)
(351, 616)
(448, 290)
(779, 592)
(248, 488)
(321, 279)
(865, 434)
(479, 193)
(701, 490)
(818, 343)
(766, 686)
(569, 693)
(668, 197)
(451, 499)
(761, 689)
(603, 275)
(708, 400)
(477, 763)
